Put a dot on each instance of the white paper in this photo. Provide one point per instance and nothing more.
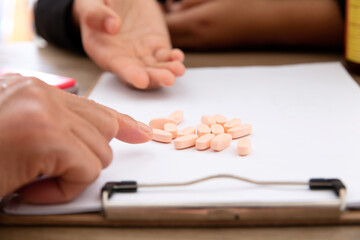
(306, 124)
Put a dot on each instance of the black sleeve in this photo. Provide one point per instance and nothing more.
(53, 22)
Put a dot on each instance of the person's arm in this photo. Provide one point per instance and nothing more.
(248, 23)
(308, 23)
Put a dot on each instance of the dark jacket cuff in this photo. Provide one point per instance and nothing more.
(53, 21)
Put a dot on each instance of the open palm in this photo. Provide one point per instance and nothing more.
(140, 54)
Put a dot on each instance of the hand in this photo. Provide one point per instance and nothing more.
(224, 24)
(61, 137)
(207, 24)
(130, 39)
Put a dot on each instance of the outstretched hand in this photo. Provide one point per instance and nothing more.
(59, 136)
(130, 39)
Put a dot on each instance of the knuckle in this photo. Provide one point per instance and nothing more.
(31, 116)
(108, 156)
(68, 196)
(111, 130)
(36, 115)
(109, 125)
(95, 173)
(202, 29)
(31, 82)
(33, 89)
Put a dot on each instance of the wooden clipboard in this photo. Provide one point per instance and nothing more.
(244, 214)
(246, 219)
(206, 217)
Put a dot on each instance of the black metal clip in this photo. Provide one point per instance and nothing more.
(122, 187)
(327, 184)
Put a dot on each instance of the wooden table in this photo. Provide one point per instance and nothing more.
(52, 60)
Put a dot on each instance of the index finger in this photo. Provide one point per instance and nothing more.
(127, 125)
(109, 122)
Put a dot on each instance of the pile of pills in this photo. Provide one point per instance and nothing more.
(214, 132)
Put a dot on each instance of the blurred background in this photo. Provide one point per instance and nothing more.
(16, 21)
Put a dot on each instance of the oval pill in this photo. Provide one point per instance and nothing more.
(186, 131)
(216, 129)
(220, 119)
(220, 142)
(204, 141)
(171, 128)
(208, 120)
(185, 141)
(240, 130)
(202, 129)
(244, 146)
(232, 123)
(178, 116)
(158, 123)
(161, 136)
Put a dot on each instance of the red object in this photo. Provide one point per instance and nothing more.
(51, 79)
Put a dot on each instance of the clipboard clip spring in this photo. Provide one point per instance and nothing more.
(314, 184)
(314, 209)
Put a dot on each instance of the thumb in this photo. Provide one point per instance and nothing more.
(101, 17)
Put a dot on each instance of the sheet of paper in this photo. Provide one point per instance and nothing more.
(306, 123)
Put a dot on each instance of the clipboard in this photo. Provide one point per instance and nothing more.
(244, 214)
(210, 216)
(223, 214)
(223, 210)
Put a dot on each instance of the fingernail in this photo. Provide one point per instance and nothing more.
(110, 25)
(145, 128)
